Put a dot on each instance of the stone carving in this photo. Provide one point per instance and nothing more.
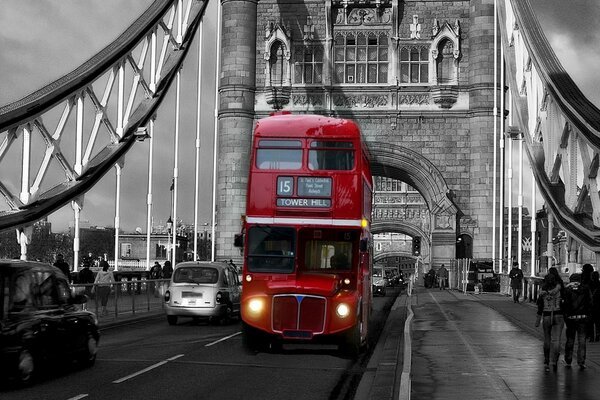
(415, 28)
(418, 99)
(445, 222)
(362, 101)
(307, 100)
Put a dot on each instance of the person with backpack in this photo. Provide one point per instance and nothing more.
(549, 313)
(578, 309)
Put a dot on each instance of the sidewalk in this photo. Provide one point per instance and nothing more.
(468, 346)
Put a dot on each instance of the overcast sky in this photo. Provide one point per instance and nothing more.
(41, 40)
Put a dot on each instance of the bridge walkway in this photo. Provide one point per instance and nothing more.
(467, 346)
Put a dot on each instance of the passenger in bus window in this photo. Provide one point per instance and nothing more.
(339, 260)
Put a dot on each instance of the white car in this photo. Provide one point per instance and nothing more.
(201, 289)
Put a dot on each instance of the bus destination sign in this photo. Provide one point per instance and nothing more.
(314, 186)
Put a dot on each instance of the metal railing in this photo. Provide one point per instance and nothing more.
(126, 298)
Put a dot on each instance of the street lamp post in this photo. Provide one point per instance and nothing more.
(169, 227)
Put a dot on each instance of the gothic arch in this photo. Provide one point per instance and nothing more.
(388, 254)
(277, 38)
(411, 167)
(407, 229)
(446, 36)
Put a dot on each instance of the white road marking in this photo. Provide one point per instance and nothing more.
(79, 396)
(222, 339)
(147, 369)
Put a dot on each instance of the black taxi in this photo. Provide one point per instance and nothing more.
(41, 324)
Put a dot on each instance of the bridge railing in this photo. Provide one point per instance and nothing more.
(126, 298)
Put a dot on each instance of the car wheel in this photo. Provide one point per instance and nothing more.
(172, 319)
(25, 367)
(228, 317)
(88, 356)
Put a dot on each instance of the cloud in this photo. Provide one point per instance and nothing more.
(576, 58)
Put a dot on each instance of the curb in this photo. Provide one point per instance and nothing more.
(382, 376)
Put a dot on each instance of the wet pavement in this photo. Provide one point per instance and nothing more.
(486, 347)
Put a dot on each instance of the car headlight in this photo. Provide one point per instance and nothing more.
(256, 305)
(342, 310)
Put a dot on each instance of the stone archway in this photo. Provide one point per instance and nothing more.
(401, 163)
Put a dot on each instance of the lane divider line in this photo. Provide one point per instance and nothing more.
(79, 396)
(222, 339)
(147, 369)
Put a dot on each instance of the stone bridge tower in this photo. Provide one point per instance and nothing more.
(416, 75)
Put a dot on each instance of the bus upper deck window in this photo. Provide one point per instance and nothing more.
(279, 154)
(335, 156)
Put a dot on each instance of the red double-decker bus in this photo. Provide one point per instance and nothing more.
(307, 242)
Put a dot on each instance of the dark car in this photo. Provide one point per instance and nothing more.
(41, 324)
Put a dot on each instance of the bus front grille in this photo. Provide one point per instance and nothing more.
(295, 312)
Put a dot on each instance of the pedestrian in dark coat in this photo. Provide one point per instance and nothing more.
(595, 286)
(516, 281)
(578, 308)
(167, 270)
(86, 277)
(61, 264)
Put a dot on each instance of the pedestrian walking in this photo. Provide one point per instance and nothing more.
(578, 307)
(61, 264)
(549, 313)
(86, 277)
(103, 284)
(516, 281)
(442, 277)
(595, 286)
(167, 270)
(156, 273)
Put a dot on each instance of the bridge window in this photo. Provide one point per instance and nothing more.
(161, 251)
(361, 57)
(279, 154)
(414, 64)
(332, 156)
(125, 250)
(308, 65)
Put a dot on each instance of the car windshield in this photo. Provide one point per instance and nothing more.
(196, 275)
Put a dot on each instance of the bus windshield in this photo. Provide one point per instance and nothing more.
(327, 255)
(271, 249)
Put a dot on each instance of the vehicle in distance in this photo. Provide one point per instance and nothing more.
(41, 325)
(380, 282)
(202, 289)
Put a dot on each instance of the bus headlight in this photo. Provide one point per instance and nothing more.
(256, 306)
(342, 310)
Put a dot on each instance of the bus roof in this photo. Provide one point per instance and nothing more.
(306, 125)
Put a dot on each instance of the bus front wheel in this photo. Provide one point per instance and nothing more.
(252, 339)
(351, 344)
